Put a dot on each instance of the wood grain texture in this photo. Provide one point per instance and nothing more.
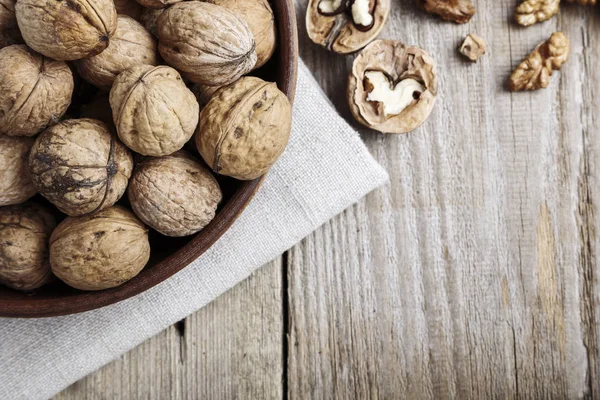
(229, 349)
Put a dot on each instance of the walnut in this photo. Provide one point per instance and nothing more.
(259, 17)
(9, 30)
(149, 19)
(584, 2)
(15, 183)
(459, 11)
(34, 91)
(345, 26)
(99, 251)
(209, 44)
(530, 12)
(80, 166)
(392, 87)
(131, 45)
(174, 194)
(473, 47)
(67, 30)
(131, 8)
(157, 3)
(154, 112)
(244, 128)
(24, 233)
(535, 71)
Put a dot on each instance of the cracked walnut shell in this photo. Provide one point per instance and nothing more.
(244, 128)
(209, 44)
(259, 17)
(99, 251)
(34, 91)
(24, 233)
(154, 112)
(392, 87)
(174, 195)
(345, 26)
(459, 11)
(80, 166)
(535, 71)
(530, 12)
(15, 183)
(67, 29)
(9, 30)
(131, 45)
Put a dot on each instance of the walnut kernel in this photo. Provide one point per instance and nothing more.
(530, 12)
(459, 11)
(473, 47)
(15, 183)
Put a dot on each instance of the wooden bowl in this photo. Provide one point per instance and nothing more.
(169, 255)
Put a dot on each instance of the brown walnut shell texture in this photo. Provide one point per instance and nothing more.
(338, 32)
(131, 8)
(459, 11)
(15, 183)
(156, 4)
(154, 112)
(99, 251)
(259, 17)
(244, 128)
(398, 62)
(80, 166)
(130, 46)
(174, 195)
(68, 29)
(208, 44)
(149, 19)
(24, 233)
(34, 91)
(9, 30)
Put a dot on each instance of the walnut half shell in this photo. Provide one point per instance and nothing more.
(345, 26)
(392, 87)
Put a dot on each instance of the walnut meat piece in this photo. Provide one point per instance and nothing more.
(67, 30)
(131, 45)
(535, 71)
(392, 87)
(174, 194)
(244, 128)
(345, 26)
(24, 233)
(9, 30)
(154, 112)
(209, 44)
(473, 47)
(80, 166)
(259, 17)
(530, 12)
(131, 8)
(99, 251)
(15, 183)
(34, 91)
(459, 11)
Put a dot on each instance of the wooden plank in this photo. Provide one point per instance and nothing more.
(473, 274)
(232, 348)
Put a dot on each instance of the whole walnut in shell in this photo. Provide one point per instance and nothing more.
(34, 91)
(244, 128)
(67, 30)
(154, 112)
(99, 251)
(80, 166)
(130, 46)
(209, 44)
(259, 17)
(9, 30)
(15, 183)
(131, 8)
(174, 194)
(24, 233)
(392, 87)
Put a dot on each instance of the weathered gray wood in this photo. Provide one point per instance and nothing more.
(230, 349)
(473, 274)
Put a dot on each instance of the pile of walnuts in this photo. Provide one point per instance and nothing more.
(97, 100)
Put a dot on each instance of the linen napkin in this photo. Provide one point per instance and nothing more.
(325, 168)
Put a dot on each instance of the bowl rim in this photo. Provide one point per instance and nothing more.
(86, 301)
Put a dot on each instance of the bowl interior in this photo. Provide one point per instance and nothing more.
(169, 255)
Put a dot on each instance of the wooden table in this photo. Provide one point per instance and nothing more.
(473, 274)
